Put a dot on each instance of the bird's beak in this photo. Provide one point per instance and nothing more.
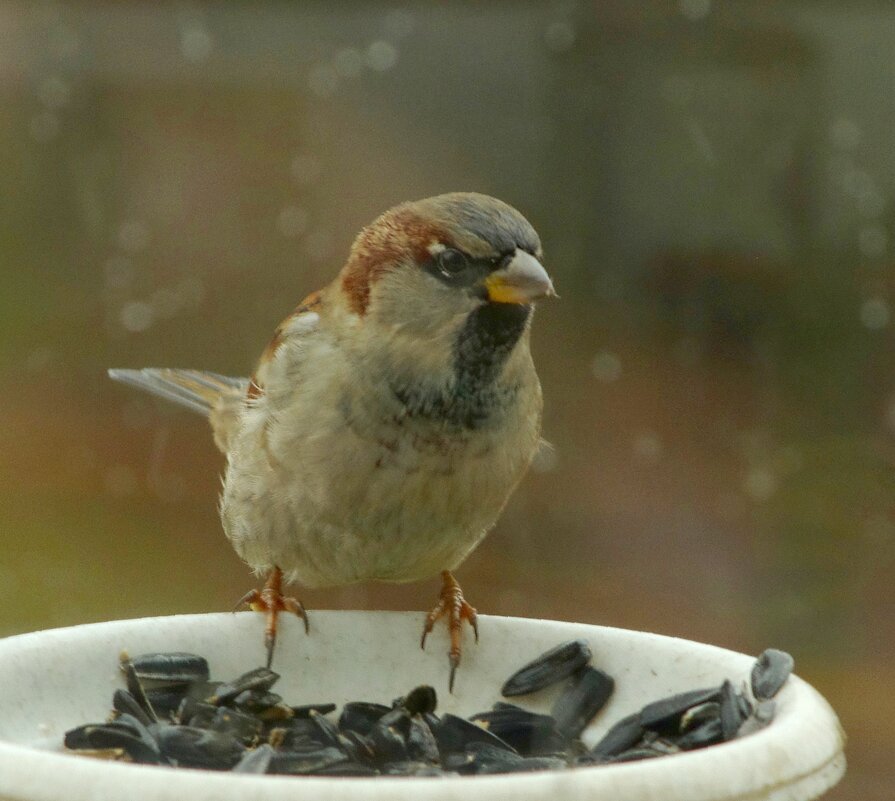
(521, 280)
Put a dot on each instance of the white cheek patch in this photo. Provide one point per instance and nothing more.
(302, 324)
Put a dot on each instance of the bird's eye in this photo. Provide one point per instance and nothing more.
(451, 262)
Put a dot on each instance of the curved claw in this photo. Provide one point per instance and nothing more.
(452, 604)
(271, 601)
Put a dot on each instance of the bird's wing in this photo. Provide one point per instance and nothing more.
(302, 322)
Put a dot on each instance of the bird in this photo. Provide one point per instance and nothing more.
(391, 415)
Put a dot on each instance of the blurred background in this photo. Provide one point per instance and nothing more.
(715, 187)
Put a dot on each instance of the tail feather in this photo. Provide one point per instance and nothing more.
(196, 390)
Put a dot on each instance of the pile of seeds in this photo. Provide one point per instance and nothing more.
(172, 714)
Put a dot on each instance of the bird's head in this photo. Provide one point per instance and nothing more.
(423, 267)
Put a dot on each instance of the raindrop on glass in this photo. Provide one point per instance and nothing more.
(137, 316)
(875, 313)
(695, 9)
(382, 56)
(607, 367)
(648, 447)
(760, 484)
(196, 44)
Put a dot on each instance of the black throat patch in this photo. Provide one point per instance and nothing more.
(483, 345)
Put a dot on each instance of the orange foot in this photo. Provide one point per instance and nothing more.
(271, 601)
(451, 603)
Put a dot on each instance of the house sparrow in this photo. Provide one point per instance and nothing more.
(392, 413)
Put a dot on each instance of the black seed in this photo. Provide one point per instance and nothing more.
(323, 729)
(707, 733)
(420, 700)
(202, 715)
(455, 734)
(421, 743)
(255, 761)
(304, 763)
(550, 667)
(529, 733)
(305, 710)
(166, 700)
(174, 668)
(114, 735)
(135, 688)
(199, 748)
(769, 673)
(346, 769)
(531, 764)
(255, 701)
(622, 736)
(586, 695)
(664, 715)
(490, 759)
(245, 728)
(258, 679)
(732, 713)
(360, 716)
(356, 746)
(125, 703)
(635, 754)
(695, 716)
(411, 768)
(389, 743)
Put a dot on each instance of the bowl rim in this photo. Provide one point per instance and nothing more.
(799, 756)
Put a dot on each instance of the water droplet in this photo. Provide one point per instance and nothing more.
(875, 313)
(760, 483)
(133, 236)
(137, 316)
(196, 44)
(292, 221)
(382, 56)
(53, 92)
(607, 367)
(695, 9)
(559, 37)
(44, 127)
(648, 447)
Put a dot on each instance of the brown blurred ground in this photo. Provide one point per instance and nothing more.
(714, 187)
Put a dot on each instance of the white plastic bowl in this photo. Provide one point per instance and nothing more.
(54, 680)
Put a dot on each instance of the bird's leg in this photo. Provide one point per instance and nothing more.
(271, 601)
(452, 604)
